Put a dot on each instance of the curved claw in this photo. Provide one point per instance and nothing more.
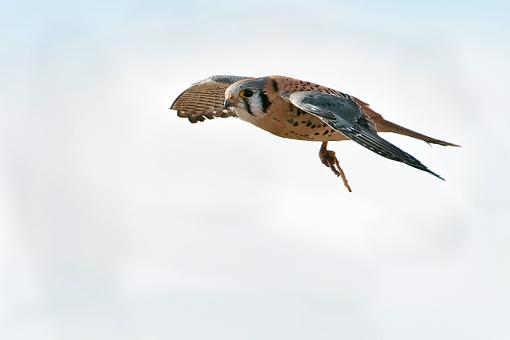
(328, 158)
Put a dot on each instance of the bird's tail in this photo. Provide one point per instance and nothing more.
(387, 126)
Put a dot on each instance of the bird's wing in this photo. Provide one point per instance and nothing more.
(204, 99)
(343, 114)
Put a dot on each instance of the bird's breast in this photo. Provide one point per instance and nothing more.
(290, 122)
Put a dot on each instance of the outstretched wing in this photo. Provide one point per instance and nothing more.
(343, 114)
(204, 99)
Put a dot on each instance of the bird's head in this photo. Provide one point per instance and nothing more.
(248, 97)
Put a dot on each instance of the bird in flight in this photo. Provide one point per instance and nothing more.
(297, 109)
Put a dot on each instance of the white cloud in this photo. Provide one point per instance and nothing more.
(121, 220)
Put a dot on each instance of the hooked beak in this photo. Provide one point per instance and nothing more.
(227, 104)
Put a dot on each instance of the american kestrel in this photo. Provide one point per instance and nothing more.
(296, 109)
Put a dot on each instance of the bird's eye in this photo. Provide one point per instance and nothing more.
(246, 93)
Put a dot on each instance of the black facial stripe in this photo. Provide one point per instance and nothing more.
(247, 105)
(274, 85)
(265, 101)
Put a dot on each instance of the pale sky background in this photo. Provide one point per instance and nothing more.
(119, 220)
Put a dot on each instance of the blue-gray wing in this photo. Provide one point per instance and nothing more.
(204, 99)
(343, 114)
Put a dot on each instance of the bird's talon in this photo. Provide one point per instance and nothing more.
(328, 158)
